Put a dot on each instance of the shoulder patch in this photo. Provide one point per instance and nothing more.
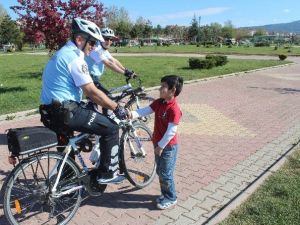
(85, 69)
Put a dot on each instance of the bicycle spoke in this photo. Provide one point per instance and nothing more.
(138, 156)
(30, 201)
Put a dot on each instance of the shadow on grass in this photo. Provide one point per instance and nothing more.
(280, 90)
(33, 75)
(12, 89)
(187, 68)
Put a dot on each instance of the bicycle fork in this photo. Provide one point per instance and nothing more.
(138, 143)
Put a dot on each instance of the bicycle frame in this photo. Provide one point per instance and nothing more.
(125, 90)
(71, 146)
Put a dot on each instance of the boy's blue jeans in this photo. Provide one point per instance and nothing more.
(165, 170)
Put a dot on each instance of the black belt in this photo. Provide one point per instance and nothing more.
(56, 105)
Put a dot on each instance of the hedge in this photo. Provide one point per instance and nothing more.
(209, 62)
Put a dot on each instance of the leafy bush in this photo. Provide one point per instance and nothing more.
(219, 60)
(194, 62)
(261, 44)
(209, 62)
(282, 57)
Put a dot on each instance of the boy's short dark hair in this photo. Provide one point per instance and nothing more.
(173, 81)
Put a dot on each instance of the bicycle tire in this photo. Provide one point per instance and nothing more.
(139, 170)
(34, 185)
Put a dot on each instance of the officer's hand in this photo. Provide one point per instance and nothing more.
(129, 73)
(129, 114)
(121, 113)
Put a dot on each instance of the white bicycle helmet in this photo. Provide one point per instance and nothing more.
(107, 32)
(87, 27)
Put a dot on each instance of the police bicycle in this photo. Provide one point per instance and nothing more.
(46, 187)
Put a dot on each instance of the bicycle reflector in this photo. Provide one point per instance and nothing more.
(18, 206)
(140, 178)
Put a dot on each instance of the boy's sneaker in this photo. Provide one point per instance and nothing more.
(117, 179)
(159, 199)
(165, 204)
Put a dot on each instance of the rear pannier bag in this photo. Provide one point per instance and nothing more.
(30, 139)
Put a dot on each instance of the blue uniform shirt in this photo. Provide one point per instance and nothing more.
(64, 74)
(95, 60)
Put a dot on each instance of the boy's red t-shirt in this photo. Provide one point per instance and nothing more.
(165, 113)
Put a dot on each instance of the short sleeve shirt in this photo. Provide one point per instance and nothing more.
(165, 113)
(95, 60)
(64, 74)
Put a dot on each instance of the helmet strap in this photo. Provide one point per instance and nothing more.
(102, 46)
(73, 40)
(87, 40)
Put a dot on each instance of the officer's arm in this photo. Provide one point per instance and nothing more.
(97, 96)
(119, 64)
(113, 66)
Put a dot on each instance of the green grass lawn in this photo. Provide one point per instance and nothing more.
(276, 202)
(216, 50)
(20, 75)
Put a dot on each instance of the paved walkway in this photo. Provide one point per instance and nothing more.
(232, 130)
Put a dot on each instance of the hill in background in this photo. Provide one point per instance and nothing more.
(292, 27)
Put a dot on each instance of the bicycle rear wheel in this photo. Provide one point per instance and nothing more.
(137, 155)
(27, 195)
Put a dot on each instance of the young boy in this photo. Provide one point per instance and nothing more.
(167, 117)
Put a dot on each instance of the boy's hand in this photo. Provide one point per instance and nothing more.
(158, 150)
(129, 114)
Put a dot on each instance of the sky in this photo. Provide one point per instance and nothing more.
(181, 12)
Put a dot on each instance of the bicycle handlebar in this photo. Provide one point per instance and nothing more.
(134, 77)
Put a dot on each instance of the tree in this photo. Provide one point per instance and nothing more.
(9, 31)
(123, 29)
(157, 31)
(193, 30)
(135, 32)
(215, 32)
(228, 30)
(118, 20)
(141, 28)
(260, 32)
(53, 18)
(242, 33)
(3, 13)
(147, 29)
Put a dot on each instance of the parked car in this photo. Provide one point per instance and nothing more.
(230, 41)
(9, 47)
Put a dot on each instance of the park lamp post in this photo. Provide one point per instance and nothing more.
(199, 29)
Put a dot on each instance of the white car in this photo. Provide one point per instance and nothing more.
(9, 47)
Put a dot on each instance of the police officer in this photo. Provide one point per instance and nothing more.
(100, 57)
(65, 79)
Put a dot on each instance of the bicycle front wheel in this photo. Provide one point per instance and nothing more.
(138, 159)
(27, 195)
